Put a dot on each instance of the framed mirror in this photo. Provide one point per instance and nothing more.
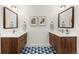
(66, 18)
(10, 19)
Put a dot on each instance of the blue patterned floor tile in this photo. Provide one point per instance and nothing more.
(38, 50)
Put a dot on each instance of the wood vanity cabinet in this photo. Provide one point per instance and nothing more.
(13, 45)
(63, 45)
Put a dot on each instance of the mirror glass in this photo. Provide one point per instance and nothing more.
(10, 19)
(66, 18)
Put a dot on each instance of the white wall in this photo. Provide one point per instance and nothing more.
(38, 36)
(76, 29)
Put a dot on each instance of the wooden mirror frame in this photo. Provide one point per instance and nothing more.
(72, 18)
(4, 18)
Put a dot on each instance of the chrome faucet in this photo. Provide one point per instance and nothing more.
(14, 31)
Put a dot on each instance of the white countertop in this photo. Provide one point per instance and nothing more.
(63, 34)
(16, 35)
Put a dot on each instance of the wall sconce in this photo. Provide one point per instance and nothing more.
(13, 6)
(62, 7)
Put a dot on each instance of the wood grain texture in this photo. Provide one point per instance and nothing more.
(63, 45)
(13, 45)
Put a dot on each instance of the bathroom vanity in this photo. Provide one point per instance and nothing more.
(63, 44)
(13, 44)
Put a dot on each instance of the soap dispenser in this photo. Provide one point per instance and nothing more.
(14, 31)
(62, 31)
(67, 31)
(24, 26)
(51, 25)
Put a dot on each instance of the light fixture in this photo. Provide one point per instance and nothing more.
(13, 6)
(62, 7)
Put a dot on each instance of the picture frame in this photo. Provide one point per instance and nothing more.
(33, 20)
(42, 20)
(10, 19)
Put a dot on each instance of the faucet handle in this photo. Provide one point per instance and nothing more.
(14, 31)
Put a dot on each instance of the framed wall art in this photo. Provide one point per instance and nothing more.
(33, 20)
(42, 20)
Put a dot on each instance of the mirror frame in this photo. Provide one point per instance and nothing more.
(72, 18)
(4, 18)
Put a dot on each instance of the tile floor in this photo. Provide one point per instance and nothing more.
(38, 50)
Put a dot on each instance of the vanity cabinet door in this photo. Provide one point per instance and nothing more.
(72, 47)
(68, 45)
(8, 45)
(63, 47)
(5, 45)
(21, 42)
(55, 43)
(50, 38)
(13, 46)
